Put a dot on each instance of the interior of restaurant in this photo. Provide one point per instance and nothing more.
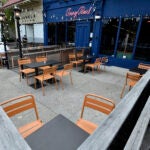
(61, 33)
(127, 35)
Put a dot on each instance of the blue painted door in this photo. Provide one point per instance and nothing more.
(82, 34)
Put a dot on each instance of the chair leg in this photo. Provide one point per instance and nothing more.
(76, 66)
(71, 78)
(35, 83)
(20, 76)
(122, 91)
(93, 70)
(27, 79)
(55, 83)
(84, 69)
(129, 87)
(61, 83)
(43, 91)
(98, 68)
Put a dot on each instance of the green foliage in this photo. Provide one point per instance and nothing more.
(9, 19)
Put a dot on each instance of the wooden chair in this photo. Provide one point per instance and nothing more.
(2, 59)
(144, 66)
(131, 80)
(20, 104)
(104, 61)
(27, 71)
(64, 72)
(74, 61)
(48, 74)
(42, 59)
(95, 65)
(98, 103)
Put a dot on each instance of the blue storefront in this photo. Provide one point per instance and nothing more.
(114, 28)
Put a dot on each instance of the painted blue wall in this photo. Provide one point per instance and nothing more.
(55, 11)
(125, 8)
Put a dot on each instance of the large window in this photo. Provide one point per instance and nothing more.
(143, 46)
(57, 33)
(109, 32)
(71, 33)
(51, 33)
(127, 37)
(61, 30)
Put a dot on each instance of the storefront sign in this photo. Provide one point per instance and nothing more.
(81, 11)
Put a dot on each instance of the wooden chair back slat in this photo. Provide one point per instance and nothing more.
(92, 102)
(68, 67)
(79, 54)
(98, 108)
(41, 59)
(23, 61)
(19, 104)
(98, 103)
(51, 70)
(132, 76)
(19, 110)
(144, 66)
(104, 59)
(97, 61)
(72, 57)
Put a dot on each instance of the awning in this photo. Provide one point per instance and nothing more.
(11, 3)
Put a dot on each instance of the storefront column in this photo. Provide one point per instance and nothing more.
(137, 36)
(66, 34)
(45, 34)
(97, 30)
(117, 37)
(56, 41)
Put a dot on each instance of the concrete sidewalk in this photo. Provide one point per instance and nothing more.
(68, 102)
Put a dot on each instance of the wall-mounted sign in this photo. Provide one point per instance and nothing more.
(80, 11)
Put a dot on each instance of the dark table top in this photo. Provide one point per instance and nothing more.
(58, 134)
(138, 70)
(40, 64)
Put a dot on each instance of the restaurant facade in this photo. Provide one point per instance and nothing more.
(117, 29)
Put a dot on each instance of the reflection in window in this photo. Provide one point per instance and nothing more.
(127, 37)
(71, 33)
(143, 46)
(109, 32)
(57, 33)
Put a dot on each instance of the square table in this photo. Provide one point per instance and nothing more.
(58, 134)
(86, 57)
(36, 65)
(138, 70)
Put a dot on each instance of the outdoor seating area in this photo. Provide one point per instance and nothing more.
(74, 75)
(105, 88)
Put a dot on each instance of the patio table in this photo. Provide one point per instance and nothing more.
(36, 65)
(58, 134)
(138, 70)
(86, 57)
